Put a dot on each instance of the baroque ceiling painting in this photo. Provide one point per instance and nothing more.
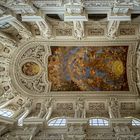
(69, 69)
(79, 68)
(30, 68)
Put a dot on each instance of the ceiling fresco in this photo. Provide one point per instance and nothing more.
(30, 68)
(88, 68)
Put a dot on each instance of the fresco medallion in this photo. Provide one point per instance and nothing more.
(30, 68)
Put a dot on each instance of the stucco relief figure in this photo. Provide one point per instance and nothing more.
(78, 29)
(6, 97)
(80, 111)
(126, 137)
(27, 104)
(121, 1)
(19, 103)
(7, 41)
(74, 7)
(121, 129)
(2, 10)
(112, 29)
(113, 108)
(4, 78)
(2, 69)
(4, 74)
(4, 51)
(4, 60)
(137, 137)
(39, 84)
(45, 28)
(14, 2)
(2, 99)
(42, 111)
(21, 1)
(127, 2)
(137, 66)
(21, 29)
(49, 108)
(1, 91)
(75, 129)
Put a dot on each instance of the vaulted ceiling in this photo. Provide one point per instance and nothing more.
(55, 53)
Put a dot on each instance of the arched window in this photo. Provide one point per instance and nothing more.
(57, 122)
(6, 113)
(135, 122)
(98, 122)
(4, 25)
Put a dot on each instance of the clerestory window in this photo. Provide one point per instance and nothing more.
(6, 113)
(98, 122)
(135, 122)
(57, 122)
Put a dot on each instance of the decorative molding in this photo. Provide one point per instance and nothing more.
(29, 58)
(24, 84)
(127, 31)
(63, 32)
(128, 106)
(96, 106)
(95, 31)
(64, 106)
(79, 31)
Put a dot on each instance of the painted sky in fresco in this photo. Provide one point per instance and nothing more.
(88, 68)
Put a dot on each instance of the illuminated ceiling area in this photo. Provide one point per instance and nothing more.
(69, 70)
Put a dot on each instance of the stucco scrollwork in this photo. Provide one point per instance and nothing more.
(49, 107)
(128, 106)
(29, 69)
(21, 29)
(80, 111)
(37, 84)
(113, 108)
(64, 32)
(78, 29)
(127, 31)
(45, 28)
(96, 31)
(5, 40)
(113, 29)
(96, 106)
(138, 66)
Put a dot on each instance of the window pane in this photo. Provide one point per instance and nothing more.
(105, 121)
(63, 121)
(135, 122)
(98, 122)
(57, 122)
(6, 113)
(95, 121)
